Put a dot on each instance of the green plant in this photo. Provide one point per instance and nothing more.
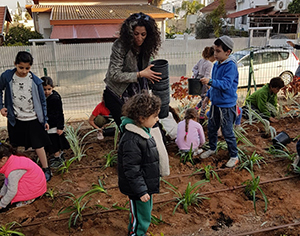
(97, 188)
(156, 221)
(111, 158)
(186, 156)
(113, 124)
(189, 197)
(284, 152)
(51, 193)
(249, 161)
(238, 132)
(209, 173)
(255, 117)
(66, 165)
(77, 207)
(6, 230)
(220, 145)
(77, 144)
(251, 188)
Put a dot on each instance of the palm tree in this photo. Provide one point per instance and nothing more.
(190, 8)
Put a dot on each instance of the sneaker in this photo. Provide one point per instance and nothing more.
(197, 152)
(23, 203)
(232, 162)
(100, 135)
(296, 164)
(48, 173)
(58, 162)
(51, 160)
(207, 154)
(62, 156)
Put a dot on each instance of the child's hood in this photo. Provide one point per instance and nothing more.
(129, 125)
(229, 59)
(8, 74)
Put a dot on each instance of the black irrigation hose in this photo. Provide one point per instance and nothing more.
(166, 201)
(267, 229)
(171, 177)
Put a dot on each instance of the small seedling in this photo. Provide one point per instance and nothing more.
(209, 173)
(97, 188)
(187, 156)
(51, 193)
(111, 159)
(6, 230)
(251, 188)
(77, 207)
(66, 165)
(189, 197)
(156, 221)
(250, 161)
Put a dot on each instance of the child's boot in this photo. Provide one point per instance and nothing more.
(48, 173)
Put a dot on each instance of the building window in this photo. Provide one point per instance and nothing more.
(244, 19)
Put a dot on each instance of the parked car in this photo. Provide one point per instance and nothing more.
(268, 62)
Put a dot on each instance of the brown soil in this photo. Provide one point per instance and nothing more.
(225, 213)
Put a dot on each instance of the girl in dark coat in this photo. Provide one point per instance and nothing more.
(56, 122)
(138, 159)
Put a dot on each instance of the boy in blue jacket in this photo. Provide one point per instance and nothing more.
(223, 96)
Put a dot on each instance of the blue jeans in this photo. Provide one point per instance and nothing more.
(224, 118)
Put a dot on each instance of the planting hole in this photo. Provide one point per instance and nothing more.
(222, 221)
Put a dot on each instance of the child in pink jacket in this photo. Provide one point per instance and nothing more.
(24, 179)
(190, 132)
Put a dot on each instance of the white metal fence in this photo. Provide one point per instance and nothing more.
(78, 70)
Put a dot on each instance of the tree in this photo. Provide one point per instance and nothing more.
(212, 22)
(204, 28)
(19, 35)
(294, 7)
(190, 8)
(216, 18)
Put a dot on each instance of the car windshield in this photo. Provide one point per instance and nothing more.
(240, 54)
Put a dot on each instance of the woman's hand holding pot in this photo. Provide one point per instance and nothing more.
(150, 74)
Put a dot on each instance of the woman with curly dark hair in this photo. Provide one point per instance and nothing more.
(129, 71)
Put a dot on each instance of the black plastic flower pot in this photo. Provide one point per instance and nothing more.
(162, 87)
(194, 86)
(162, 66)
(281, 139)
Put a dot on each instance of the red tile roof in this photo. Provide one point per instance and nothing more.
(230, 5)
(4, 16)
(85, 31)
(248, 11)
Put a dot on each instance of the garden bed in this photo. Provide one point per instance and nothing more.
(228, 211)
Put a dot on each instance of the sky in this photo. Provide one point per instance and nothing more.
(12, 4)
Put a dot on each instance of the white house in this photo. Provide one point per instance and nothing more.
(246, 7)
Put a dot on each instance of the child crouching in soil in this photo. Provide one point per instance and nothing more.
(138, 159)
(24, 179)
(190, 132)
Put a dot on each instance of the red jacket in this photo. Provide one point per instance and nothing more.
(32, 184)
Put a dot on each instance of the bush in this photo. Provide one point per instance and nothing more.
(204, 28)
(19, 35)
